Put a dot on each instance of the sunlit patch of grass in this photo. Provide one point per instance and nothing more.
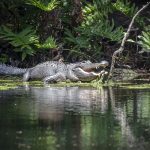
(8, 83)
(6, 87)
(14, 82)
(35, 83)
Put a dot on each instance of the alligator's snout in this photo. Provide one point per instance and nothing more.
(103, 64)
(92, 66)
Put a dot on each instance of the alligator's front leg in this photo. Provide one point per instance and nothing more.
(55, 78)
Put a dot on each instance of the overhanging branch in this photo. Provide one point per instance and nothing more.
(120, 50)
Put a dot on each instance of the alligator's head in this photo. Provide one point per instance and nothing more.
(88, 66)
(86, 71)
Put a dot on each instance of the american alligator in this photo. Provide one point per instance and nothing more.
(54, 71)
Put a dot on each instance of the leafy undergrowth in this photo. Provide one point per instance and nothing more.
(15, 82)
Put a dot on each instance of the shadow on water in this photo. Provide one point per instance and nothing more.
(68, 118)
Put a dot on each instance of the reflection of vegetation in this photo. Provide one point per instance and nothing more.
(102, 130)
(138, 111)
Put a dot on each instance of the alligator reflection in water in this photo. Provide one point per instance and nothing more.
(70, 99)
(80, 118)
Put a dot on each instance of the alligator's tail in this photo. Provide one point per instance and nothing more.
(10, 70)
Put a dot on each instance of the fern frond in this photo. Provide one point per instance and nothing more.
(144, 41)
(49, 43)
(126, 7)
(22, 41)
(49, 7)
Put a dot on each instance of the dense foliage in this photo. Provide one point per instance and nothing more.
(37, 30)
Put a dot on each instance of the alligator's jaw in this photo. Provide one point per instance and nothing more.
(90, 67)
(87, 71)
(83, 75)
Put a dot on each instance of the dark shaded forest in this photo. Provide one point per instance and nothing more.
(33, 31)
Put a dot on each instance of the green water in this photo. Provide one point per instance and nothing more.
(74, 118)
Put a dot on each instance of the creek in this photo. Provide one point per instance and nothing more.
(74, 118)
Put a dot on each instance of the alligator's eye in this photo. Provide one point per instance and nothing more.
(88, 61)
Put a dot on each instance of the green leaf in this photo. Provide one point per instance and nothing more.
(24, 56)
(130, 40)
(48, 44)
(144, 41)
(49, 7)
(21, 41)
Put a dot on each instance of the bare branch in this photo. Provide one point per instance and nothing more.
(120, 50)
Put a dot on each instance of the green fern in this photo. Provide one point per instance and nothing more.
(144, 41)
(89, 14)
(126, 7)
(39, 4)
(25, 37)
(105, 29)
(78, 41)
(4, 58)
(96, 23)
(96, 11)
(94, 29)
(25, 41)
(49, 43)
(22, 41)
(103, 6)
(101, 28)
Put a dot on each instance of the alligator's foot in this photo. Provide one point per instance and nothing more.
(103, 73)
(103, 76)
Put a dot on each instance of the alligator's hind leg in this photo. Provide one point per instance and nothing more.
(55, 78)
(71, 76)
